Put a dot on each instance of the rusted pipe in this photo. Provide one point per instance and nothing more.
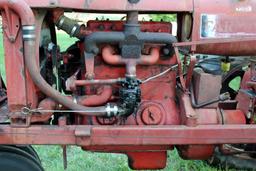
(55, 95)
(95, 100)
(72, 82)
(110, 58)
(48, 90)
(28, 28)
(98, 82)
(50, 105)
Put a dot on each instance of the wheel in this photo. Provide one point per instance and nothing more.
(226, 83)
(22, 156)
(16, 162)
(30, 150)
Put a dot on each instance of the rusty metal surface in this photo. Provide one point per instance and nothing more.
(116, 5)
(226, 19)
(206, 87)
(15, 69)
(207, 134)
(196, 152)
(194, 131)
(146, 26)
(188, 114)
(113, 59)
(147, 160)
(129, 135)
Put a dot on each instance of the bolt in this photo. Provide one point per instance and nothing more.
(62, 121)
(12, 39)
(101, 27)
(89, 76)
(249, 115)
(166, 51)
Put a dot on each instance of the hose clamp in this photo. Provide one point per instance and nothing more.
(61, 21)
(28, 32)
(111, 110)
(73, 31)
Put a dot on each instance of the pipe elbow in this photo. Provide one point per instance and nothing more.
(109, 56)
(46, 104)
(112, 59)
(95, 100)
(152, 58)
(90, 43)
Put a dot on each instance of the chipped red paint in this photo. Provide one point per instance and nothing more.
(146, 137)
(117, 136)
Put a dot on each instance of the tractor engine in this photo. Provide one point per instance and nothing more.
(131, 86)
(127, 73)
(124, 71)
(119, 65)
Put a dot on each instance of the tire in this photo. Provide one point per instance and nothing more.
(16, 162)
(19, 153)
(30, 150)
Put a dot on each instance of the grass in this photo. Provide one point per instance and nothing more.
(79, 160)
(51, 156)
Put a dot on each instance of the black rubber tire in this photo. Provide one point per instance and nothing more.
(16, 162)
(30, 150)
(226, 81)
(220, 160)
(21, 152)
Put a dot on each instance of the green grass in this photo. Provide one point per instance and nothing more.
(79, 160)
(64, 40)
(51, 156)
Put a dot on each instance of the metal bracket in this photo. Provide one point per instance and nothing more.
(79, 132)
(11, 24)
(19, 120)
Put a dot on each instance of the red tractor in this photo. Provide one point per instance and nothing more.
(130, 86)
